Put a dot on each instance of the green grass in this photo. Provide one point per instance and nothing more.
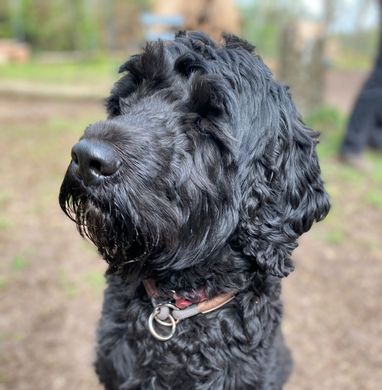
(330, 123)
(351, 191)
(68, 286)
(95, 280)
(374, 199)
(82, 72)
(3, 282)
(335, 236)
(376, 160)
(19, 263)
(19, 336)
(5, 223)
(5, 197)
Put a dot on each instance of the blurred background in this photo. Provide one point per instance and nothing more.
(58, 60)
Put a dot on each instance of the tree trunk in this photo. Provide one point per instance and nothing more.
(301, 63)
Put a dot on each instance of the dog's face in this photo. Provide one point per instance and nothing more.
(202, 152)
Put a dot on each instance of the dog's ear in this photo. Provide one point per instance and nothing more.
(282, 192)
(150, 66)
(121, 89)
(208, 96)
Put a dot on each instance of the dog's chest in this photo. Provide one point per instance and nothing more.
(218, 350)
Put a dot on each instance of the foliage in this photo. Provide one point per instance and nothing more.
(66, 24)
(262, 23)
(5, 25)
(357, 50)
(330, 123)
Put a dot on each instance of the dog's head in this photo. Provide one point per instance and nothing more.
(202, 152)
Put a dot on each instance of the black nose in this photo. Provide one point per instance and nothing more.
(94, 160)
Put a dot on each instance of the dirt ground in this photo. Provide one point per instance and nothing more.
(51, 281)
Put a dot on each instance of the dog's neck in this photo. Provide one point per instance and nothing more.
(229, 271)
(180, 301)
(170, 312)
(220, 273)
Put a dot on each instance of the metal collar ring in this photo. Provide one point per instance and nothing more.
(154, 332)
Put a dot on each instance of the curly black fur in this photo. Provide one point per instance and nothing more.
(219, 179)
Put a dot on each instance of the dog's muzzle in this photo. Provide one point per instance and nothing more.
(94, 160)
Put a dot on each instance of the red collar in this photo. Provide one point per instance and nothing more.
(180, 302)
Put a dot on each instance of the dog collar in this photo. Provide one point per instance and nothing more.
(169, 314)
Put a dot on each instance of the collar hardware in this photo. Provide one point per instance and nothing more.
(169, 322)
(170, 314)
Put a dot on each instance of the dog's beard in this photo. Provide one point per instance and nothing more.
(118, 240)
(141, 230)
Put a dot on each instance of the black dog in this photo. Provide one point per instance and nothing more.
(195, 191)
